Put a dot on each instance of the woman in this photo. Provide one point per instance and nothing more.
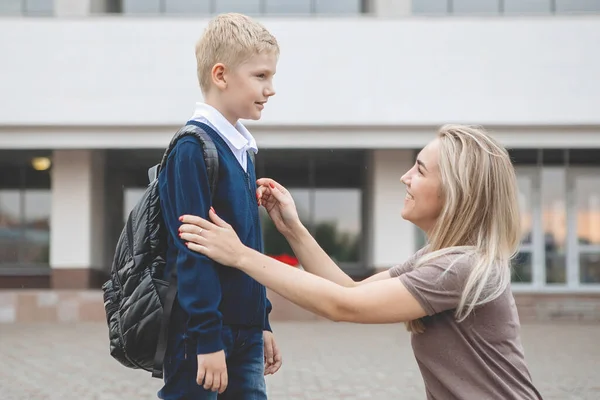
(454, 294)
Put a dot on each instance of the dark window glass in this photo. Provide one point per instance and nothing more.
(524, 156)
(327, 189)
(25, 206)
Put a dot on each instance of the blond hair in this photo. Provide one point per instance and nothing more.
(480, 217)
(230, 39)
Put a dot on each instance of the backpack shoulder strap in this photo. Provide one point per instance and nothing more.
(209, 151)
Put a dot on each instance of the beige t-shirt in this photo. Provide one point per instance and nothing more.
(480, 358)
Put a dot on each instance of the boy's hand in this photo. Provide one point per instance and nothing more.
(212, 371)
(272, 354)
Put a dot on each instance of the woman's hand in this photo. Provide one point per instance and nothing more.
(279, 204)
(217, 240)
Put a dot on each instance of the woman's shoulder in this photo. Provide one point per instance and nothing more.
(459, 260)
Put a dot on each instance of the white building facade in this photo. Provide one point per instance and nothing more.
(92, 92)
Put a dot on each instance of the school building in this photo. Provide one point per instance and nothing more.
(93, 90)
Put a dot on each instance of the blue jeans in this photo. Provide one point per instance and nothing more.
(244, 353)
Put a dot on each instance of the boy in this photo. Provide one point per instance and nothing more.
(220, 321)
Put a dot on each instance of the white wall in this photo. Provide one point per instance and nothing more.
(77, 218)
(392, 239)
(412, 71)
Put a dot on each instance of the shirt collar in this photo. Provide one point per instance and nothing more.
(237, 136)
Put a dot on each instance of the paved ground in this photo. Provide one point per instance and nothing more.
(321, 361)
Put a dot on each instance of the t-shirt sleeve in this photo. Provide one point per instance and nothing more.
(407, 265)
(437, 285)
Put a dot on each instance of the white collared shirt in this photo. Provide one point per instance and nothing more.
(237, 137)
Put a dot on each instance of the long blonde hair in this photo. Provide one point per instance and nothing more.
(480, 217)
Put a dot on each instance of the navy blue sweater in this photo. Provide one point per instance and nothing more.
(211, 295)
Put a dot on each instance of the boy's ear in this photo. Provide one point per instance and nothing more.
(218, 76)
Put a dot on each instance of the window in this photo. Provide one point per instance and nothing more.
(250, 7)
(475, 6)
(143, 6)
(577, 6)
(187, 6)
(510, 7)
(554, 223)
(283, 7)
(25, 207)
(527, 6)
(587, 198)
(523, 262)
(559, 198)
(428, 7)
(26, 7)
(327, 189)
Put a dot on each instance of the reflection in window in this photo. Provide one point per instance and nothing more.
(587, 192)
(554, 222)
(524, 184)
(577, 6)
(11, 7)
(25, 205)
(10, 226)
(283, 7)
(141, 6)
(337, 224)
(522, 265)
(475, 6)
(187, 6)
(589, 267)
(275, 243)
(35, 248)
(429, 7)
(39, 7)
(326, 187)
(338, 7)
(527, 6)
(333, 216)
(241, 6)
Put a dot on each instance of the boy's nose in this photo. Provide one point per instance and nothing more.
(270, 91)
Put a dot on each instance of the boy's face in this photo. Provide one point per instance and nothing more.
(249, 86)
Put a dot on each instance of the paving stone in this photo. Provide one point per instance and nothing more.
(322, 360)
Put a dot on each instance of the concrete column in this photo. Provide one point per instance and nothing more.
(391, 8)
(77, 253)
(392, 239)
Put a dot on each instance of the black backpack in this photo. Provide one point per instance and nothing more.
(137, 299)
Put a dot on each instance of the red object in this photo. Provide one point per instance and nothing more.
(286, 259)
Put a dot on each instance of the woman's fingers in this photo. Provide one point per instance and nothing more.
(193, 238)
(197, 248)
(268, 182)
(278, 194)
(216, 219)
(198, 221)
(189, 228)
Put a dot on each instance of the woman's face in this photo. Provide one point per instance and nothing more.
(423, 202)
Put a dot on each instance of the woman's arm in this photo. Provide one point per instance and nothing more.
(314, 259)
(383, 301)
(281, 208)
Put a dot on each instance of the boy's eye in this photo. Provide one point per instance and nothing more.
(262, 76)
